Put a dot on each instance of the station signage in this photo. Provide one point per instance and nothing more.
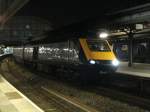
(139, 26)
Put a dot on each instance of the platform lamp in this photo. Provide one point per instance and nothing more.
(103, 34)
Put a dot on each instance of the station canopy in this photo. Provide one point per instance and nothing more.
(58, 18)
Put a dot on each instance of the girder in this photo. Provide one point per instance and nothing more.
(9, 8)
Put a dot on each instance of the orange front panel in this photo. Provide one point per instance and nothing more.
(96, 55)
(85, 48)
(102, 55)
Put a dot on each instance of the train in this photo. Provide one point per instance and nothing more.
(86, 55)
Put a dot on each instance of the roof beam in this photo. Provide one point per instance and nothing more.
(11, 11)
(133, 15)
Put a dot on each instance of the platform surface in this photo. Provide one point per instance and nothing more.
(138, 69)
(11, 100)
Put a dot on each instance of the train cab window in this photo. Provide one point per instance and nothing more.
(98, 45)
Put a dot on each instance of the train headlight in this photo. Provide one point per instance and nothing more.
(115, 62)
(92, 62)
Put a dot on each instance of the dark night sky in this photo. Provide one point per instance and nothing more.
(62, 12)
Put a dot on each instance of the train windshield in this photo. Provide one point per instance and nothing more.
(98, 45)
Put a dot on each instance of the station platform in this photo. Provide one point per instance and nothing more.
(138, 69)
(11, 100)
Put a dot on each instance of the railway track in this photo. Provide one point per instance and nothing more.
(130, 98)
(62, 103)
(132, 91)
(81, 107)
(54, 101)
(122, 96)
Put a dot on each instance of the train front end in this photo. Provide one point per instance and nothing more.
(99, 54)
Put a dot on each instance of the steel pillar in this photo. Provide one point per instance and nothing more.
(130, 49)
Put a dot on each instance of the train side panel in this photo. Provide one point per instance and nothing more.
(28, 54)
(18, 53)
(70, 54)
(60, 54)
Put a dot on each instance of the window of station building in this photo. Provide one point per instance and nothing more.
(124, 48)
(98, 45)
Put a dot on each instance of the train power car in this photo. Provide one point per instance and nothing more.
(83, 54)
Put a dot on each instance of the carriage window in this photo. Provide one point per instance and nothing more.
(98, 45)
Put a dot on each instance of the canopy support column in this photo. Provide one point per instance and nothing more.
(130, 48)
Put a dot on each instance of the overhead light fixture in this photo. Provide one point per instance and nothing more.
(139, 26)
(103, 35)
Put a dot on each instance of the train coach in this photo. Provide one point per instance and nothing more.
(87, 55)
